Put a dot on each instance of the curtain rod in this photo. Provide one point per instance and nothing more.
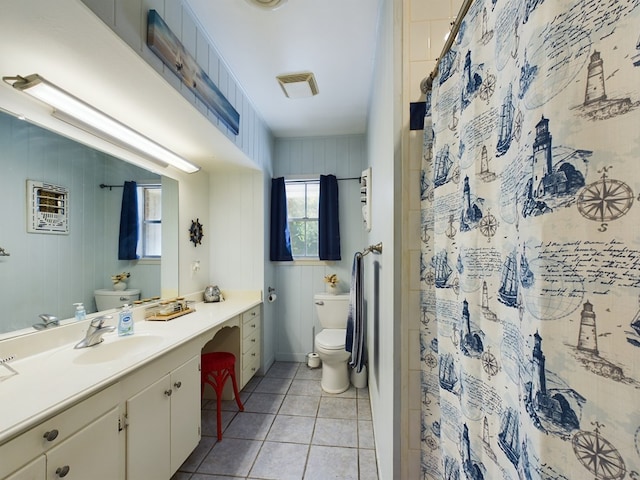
(314, 180)
(427, 83)
(111, 187)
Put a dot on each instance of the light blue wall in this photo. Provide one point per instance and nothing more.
(345, 157)
(48, 273)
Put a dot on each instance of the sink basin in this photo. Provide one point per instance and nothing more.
(114, 348)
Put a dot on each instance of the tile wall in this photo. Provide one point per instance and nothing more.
(426, 25)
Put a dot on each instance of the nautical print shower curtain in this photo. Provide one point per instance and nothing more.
(530, 268)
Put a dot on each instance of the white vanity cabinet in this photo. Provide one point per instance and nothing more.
(251, 338)
(90, 453)
(134, 416)
(36, 470)
(163, 423)
(79, 443)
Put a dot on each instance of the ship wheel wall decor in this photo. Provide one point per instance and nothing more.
(195, 232)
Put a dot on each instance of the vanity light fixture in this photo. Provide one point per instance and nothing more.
(82, 115)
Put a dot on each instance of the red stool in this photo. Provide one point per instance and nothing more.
(216, 367)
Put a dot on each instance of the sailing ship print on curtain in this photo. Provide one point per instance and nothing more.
(530, 266)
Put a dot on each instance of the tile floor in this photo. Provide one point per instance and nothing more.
(290, 429)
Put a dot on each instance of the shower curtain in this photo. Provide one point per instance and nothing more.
(530, 266)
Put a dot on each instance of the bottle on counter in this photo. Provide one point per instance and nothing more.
(125, 321)
(81, 313)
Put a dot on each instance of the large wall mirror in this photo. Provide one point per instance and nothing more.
(47, 272)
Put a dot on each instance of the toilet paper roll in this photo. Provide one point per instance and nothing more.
(272, 297)
(313, 360)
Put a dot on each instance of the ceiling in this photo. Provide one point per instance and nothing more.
(334, 39)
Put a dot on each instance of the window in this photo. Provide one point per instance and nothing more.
(302, 209)
(150, 221)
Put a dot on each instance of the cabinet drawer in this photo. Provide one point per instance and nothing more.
(250, 364)
(250, 327)
(250, 357)
(251, 338)
(252, 314)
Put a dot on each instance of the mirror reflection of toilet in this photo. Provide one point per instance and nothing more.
(329, 343)
(109, 299)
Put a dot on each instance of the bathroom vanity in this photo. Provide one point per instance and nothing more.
(128, 408)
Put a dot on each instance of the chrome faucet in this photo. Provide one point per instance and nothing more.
(48, 321)
(96, 329)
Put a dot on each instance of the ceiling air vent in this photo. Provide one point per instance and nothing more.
(298, 85)
(268, 4)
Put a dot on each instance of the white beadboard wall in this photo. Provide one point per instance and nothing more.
(426, 24)
(295, 283)
(48, 273)
(128, 19)
(235, 226)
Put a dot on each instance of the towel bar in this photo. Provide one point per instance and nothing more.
(377, 248)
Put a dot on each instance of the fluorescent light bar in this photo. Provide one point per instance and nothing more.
(98, 122)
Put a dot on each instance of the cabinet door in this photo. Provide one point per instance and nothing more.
(92, 453)
(185, 411)
(36, 470)
(148, 434)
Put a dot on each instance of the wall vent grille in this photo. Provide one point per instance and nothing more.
(48, 208)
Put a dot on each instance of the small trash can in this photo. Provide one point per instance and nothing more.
(359, 379)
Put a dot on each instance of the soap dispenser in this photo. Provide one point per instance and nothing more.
(81, 313)
(125, 321)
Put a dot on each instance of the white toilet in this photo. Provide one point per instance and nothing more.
(332, 313)
(109, 299)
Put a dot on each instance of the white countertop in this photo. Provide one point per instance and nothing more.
(56, 378)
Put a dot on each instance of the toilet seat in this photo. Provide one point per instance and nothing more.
(331, 339)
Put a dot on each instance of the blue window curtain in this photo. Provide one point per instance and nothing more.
(328, 219)
(128, 239)
(280, 241)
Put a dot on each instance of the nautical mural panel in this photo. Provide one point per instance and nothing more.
(530, 265)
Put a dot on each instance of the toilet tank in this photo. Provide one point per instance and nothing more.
(108, 299)
(332, 309)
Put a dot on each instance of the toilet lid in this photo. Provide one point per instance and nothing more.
(331, 338)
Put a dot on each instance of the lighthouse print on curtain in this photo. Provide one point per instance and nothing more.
(530, 267)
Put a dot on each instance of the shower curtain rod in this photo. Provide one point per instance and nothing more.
(427, 83)
(339, 179)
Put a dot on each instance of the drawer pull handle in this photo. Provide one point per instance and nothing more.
(253, 369)
(253, 354)
(168, 392)
(177, 385)
(62, 471)
(253, 314)
(253, 340)
(253, 325)
(51, 436)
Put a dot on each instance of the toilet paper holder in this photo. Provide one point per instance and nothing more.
(272, 295)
